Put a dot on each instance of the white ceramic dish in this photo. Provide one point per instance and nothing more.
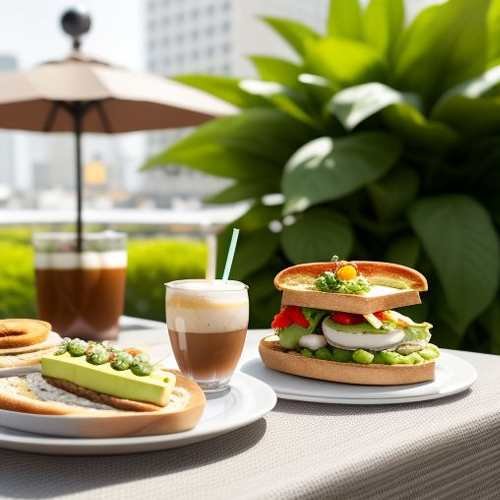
(453, 375)
(248, 400)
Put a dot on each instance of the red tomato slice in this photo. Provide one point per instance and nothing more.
(344, 318)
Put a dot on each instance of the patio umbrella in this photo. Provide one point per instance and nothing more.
(80, 94)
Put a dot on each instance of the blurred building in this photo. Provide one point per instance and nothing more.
(215, 37)
(7, 142)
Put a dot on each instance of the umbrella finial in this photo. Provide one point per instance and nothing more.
(76, 22)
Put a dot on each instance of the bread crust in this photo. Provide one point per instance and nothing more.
(18, 332)
(376, 273)
(276, 358)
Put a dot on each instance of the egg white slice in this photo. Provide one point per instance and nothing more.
(352, 341)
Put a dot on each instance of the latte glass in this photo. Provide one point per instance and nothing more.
(207, 323)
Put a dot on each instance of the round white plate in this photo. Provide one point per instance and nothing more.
(248, 400)
(22, 370)
(453, 375)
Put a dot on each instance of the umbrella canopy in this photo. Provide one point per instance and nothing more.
(112, 99)
(80, 94)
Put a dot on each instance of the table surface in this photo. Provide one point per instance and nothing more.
(447, 448)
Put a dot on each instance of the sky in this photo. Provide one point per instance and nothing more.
(30, 30)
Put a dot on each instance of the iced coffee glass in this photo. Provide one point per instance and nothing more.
(81, 293)
(207, 323)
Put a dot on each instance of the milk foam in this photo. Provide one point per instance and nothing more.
(206, 306)
(113, 259)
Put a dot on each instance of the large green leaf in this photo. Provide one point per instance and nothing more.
(353, 105)
(345, 62)
(493, 23)
(290, 101)
(461, 241)
(408, 123)
(275, 69)
(444, 45)
(295, 33)
(404, 250)
(392, 194)
(224, 87)
(256, 243)
(491, 322)
(383, 22)
(263, 297)
(327, 169)
(253, 144)
(344, 19)
(316, 235)
(472, 107)
(243, 190)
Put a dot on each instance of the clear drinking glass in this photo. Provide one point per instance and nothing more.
(81, 293)
(207, 323)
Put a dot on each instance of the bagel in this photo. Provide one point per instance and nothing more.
(22, 332)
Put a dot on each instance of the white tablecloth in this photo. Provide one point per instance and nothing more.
(448, 448)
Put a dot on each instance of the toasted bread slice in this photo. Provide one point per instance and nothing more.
(276, 358)
(396, 286)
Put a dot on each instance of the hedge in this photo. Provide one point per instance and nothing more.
(151, 263)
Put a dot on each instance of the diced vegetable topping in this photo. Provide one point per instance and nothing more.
(344, 318)
(290, 315)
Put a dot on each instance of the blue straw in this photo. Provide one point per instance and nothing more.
(230, 254)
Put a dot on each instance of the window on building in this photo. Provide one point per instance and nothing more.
(180, 17)
(195, 55)
(226, 47)
(195, 13)
(226, 69)
(194, 35)
(225, 26)
(179, 38)
(209, 30)
(210, 10)
(226, 6)
(165, 41)
(209, 51)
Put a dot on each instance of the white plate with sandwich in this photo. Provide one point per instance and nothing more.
(338, 338)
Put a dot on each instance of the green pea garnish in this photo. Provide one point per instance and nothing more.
(77, 347)
(142, 369)
(63, 347)
(122, 361)
(99, 356)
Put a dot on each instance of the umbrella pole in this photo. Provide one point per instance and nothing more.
(78, 112)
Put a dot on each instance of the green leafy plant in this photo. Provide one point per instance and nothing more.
(381, 142)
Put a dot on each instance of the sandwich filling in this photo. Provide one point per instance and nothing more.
(385, 337)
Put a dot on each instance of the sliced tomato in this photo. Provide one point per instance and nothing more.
(290, 315)
(344, 318)
(281, 320)
(297, 316)
(380, 315)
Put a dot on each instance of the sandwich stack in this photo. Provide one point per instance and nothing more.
(338, 323)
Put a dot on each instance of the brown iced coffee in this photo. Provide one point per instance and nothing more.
(81, 293)
(207, 323)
